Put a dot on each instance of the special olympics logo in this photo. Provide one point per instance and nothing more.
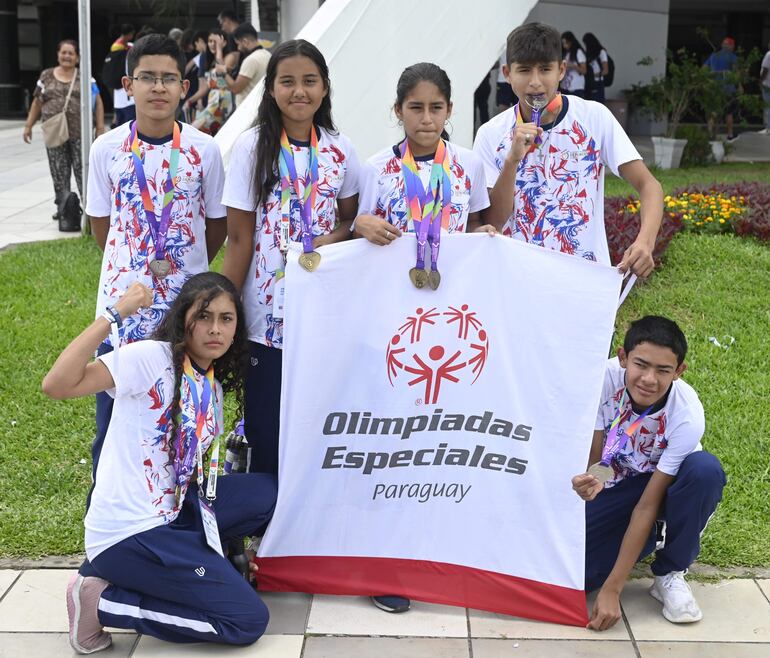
(435, 346)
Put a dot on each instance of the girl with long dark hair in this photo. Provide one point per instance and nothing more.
(154, 530)
(599, 65)
(574, 81)
(423, 107)
(292, 152)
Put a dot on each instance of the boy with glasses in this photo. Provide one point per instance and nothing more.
(154, 199)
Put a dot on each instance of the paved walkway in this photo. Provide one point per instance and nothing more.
(736, 624)
(26, 188)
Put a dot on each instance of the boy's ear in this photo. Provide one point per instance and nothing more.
(622, 357)
(680, 370)
(127, 84)
(185, 87)
(562, 70)
(506, 71)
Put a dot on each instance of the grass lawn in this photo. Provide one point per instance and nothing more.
(713, 285)
(671, 179)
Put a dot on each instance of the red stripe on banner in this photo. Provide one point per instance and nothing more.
(434, 582)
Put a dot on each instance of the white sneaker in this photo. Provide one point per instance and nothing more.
(679, 605)
(765, 131)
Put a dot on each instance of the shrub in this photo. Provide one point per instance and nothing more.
(697, 152)
(622, 222)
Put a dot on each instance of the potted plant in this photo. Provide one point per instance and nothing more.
(668, 98)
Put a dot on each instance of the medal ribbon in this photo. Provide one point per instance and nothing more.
(428, 209)
(188, 439)
(554, 107)
(616, 440)
(289, 179)
(158, 228)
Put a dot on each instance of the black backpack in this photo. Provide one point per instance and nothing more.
(610, 77)
(114, 68)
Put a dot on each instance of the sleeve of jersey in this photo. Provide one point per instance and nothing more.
(683, 439)
(604, 402)
(479, 199)
(617, 148)
(484, 150)
(137, 367)
(213, 181)
(351, 184)
(369, 186)
(239, 185)
(99, 198)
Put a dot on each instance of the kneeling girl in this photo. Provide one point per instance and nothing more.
(155, 560)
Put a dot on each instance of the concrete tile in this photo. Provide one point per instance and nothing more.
(702, 650)
(483, 648)
(764, 585)
(376, 647)
(268, 646)
(346, 615)
(288, 612)
(493, 625)
(7, 576)
(47, 645)
(733, 610)
(36, 603)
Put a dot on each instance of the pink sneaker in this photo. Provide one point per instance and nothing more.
(86, 633)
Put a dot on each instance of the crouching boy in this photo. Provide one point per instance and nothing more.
(646, 464)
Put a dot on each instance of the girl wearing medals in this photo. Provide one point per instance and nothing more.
(153, 528)
(292, 178)
(423, 185)
(424, 177)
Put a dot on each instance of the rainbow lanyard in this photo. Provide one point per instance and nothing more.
(187, 438)
(427, 209)
(306, 201)
(554, 107)
(158, 228)
(616, 440)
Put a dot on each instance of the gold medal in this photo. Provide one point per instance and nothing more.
(310, 260)
(177, 495)
(434, 278)
(418, 277)
(160, 267)
(601, 472)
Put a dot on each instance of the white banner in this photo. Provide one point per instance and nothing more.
(428, 438)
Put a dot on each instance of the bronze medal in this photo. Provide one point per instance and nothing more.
(177, 495)
(601, 472)
(418, 277)
(160, 267)
(434, 278)
(310, 260)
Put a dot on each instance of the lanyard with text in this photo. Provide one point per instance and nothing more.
(158, 227)
(188, 438)
(289, 179)
(616, 440)
(428, 209)
(553, 108)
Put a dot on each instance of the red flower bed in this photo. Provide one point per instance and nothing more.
(622, 227)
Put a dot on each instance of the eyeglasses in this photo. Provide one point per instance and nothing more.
(149, 80)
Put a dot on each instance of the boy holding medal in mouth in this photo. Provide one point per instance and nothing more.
(544, 160)
(154, 199)
(646, 464)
